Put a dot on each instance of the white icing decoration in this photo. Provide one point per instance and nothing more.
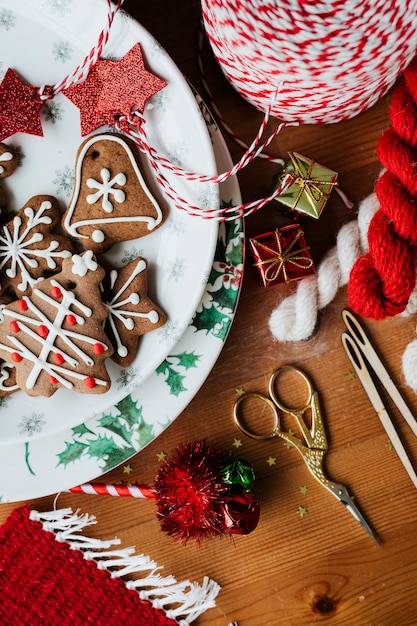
(106, 188)
(73, 227)
(6, 156)
(82, 264)
(55, 330)
(116, 311)
(98, 236)
(15, 246)
(4, 377)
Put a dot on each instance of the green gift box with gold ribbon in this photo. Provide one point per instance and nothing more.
(307, 185)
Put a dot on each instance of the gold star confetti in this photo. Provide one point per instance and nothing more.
(351, 375)
(240, 391)
(271, 461)
(302, 511)
(288, 444)
(304, 489)
(127, 469)
(389, 445)
(161, 456)
(237, 443)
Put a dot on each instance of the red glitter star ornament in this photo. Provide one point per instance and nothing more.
(84, 95)
(20, 106)
(114, 88)
(127, 83)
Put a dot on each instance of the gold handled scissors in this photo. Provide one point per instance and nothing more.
(314, 446)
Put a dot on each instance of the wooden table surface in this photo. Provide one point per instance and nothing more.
(292, 570)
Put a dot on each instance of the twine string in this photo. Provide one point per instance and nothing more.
(48, 92)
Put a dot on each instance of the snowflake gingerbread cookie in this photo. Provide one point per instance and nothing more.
(111, 201)
(28, 248)
(54, 337)
(131, 313)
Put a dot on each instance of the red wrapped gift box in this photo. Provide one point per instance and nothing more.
(282, 255)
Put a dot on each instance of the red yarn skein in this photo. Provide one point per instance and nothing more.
(382, 281)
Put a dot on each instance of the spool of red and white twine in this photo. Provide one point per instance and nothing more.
(317, 61)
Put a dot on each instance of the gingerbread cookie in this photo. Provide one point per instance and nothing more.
(131, 313)
(8, 383)
(54, 336)
(28, 248)
(111, 201)
(8, 160)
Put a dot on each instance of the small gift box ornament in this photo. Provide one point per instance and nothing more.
(310, 185)
(282, 255)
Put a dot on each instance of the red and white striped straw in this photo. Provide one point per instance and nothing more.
(124, 491)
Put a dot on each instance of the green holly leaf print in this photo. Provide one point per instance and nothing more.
(225, 298)
(73, 452)
(80, 430)
(169, 368)
(187, 359)
(130, 411)
(117, 427)
(117, 456)
(174, 381)
(235, 254)
(101, 446)
(210, 320)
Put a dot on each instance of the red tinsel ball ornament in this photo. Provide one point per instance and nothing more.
(188, 488)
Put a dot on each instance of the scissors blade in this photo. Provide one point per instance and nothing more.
(361, 338)
(356, 358)
(342, 495)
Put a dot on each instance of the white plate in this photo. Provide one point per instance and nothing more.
(54, 463)
(43, 42)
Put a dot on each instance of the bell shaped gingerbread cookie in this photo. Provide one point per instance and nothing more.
(111, 201)
(54, 336)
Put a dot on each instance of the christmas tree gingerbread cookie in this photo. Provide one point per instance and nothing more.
(111, 201)
(54, 336)
(28, 248)
(131, 313)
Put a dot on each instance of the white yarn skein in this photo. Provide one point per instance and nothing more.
(295, 318)
(319, 61)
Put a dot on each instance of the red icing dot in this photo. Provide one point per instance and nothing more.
(16, 357)
(42, 330)
(58, 358)
(71, 320)
(14, 326)
(90, 382)
(53, 380)
(56, 292)
(98, 348)
(22, 304)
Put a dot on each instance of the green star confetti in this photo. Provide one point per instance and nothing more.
(302, 511)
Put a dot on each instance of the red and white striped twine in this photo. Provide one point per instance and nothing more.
(321, 61)
(47, 92)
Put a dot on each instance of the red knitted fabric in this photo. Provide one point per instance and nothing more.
(381, 281)
(46, 583)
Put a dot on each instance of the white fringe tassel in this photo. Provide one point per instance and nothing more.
(190, 600)
(295, 318)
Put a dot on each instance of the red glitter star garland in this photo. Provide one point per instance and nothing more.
(20, 106)
(113, 88)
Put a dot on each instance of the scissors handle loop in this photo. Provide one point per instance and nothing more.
(274, 396)
(238, 420)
